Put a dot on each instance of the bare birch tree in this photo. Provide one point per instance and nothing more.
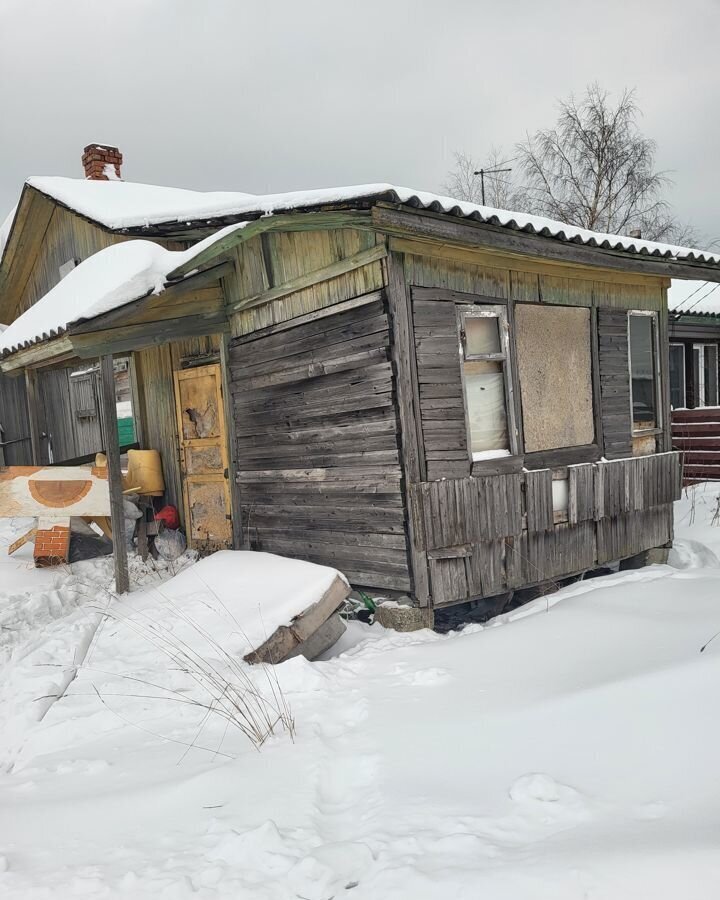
(594, 169)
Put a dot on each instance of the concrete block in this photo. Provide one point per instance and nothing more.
(404, 618)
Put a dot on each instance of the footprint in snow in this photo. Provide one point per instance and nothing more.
(549, 799)
(430, 676)
(329, 869)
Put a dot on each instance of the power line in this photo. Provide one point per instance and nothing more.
(689, 296)
(711, 291)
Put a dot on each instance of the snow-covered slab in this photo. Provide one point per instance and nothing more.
(258, 605)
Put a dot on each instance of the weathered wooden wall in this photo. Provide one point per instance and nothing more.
(156, 396)
(154, 369)
(14, 422)
(69, 413)
(48, 236)
(615, 382)
(485, 531)
(486, 535)
(317, 445)
(269, 261)
(438, 283)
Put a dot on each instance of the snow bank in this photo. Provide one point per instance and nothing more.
(565, 753)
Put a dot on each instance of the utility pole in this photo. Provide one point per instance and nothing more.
(482, 173)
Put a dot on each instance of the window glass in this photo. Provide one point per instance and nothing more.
(698, 375)
(711, 375)
(485, 391)
(705, 374)
(484, 378)
(643, 371)
(482, 335)
(677, 376)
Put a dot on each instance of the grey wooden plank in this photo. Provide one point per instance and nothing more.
(612, 364)
(538, 497)
(33, 415)
(581, 493)
(406, 387)
(112, 450)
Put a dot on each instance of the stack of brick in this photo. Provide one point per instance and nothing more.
(101, 163)
(52, 542)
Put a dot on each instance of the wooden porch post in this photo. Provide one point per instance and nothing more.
(112, 450)
(32, 405)
(232, 454)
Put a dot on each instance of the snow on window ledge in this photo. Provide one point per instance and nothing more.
(489, 454)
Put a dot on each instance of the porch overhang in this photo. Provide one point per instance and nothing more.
(190, 307)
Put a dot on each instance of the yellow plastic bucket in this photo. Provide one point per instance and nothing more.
(144, 474)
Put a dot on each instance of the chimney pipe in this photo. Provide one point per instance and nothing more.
(101, 162)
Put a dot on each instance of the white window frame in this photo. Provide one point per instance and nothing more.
(495, 311)
(700, 386)
(658, 427)
(682, 371)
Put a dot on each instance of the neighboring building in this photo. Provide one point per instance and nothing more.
(694, 319)
(440, 399)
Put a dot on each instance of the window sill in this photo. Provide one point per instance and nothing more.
(565, 456)
(500, 465)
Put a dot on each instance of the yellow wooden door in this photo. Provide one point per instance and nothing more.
(204, 457)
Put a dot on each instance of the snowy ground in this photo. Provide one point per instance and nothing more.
(568, 750)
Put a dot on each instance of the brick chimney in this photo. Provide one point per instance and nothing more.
(102, 163)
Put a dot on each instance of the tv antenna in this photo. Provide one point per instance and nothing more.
(482, 173)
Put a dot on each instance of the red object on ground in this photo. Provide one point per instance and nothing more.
(168, 515)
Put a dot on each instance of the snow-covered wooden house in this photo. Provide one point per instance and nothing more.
(442, 400)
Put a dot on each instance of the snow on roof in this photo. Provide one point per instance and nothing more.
(107, 280)
(5, 229)
(269, 204)
(123, 273)
(125, 204)
(694, 297)
(122, 204)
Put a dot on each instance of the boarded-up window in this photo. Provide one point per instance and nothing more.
(555, 367)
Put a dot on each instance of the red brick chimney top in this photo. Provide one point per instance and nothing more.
(102, 163)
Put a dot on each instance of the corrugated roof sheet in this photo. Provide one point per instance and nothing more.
(124, 206)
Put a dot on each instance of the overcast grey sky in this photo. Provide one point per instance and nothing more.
(290, 94)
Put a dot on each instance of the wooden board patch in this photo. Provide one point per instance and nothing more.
(39, 491)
